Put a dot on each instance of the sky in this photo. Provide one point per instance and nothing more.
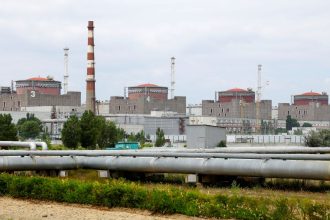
(217, 44)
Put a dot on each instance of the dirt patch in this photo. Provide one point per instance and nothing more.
(33, 209)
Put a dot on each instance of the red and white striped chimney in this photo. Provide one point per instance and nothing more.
(90, 87)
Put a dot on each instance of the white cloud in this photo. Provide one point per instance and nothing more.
(218, 44)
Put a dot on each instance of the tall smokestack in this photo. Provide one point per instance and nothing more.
(90, 87)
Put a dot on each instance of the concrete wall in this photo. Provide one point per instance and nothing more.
(170, 125)
(14, 102)
(311, 112)
(204, 136)
(119, 105)
(235, 109)
(69, 99)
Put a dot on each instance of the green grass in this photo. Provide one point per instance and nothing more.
(165, 199)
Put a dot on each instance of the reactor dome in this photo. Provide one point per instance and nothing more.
(311, 97)
(247, 96)
(149, 91)
(39, 84)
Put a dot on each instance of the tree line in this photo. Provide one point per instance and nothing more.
(29, 127)
(90, 132)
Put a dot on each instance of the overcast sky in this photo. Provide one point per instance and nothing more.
(217, 44)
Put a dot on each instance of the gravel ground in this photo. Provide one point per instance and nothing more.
(32, 209)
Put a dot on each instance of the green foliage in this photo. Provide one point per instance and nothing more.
(46, 138)
(145, 145)
(8, 131)
(162, 199)
(291, 122)
(107, 133)
(280, 130)
(71, 132)
(139, 137)
(318, 139)
(57, 147)
(160, 138)
(222, 144)
(29, 127)
(298, 132)
(306, 124)
(266, 127)
(89, 130)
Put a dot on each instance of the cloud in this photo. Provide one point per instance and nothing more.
(218, 44)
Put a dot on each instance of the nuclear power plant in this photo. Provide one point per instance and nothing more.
(238, 110)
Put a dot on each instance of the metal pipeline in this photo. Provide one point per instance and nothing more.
(38, 163)
(318, 170)
(43, 145)
(273, 168)
(31, 145)
(270, 149)
(92, 153)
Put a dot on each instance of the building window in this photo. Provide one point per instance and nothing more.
(211, 111)
(19, 103)
(222, 110)
(119, 107)
(4, 104)
(288, 112)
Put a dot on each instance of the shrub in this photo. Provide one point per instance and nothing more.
(222, 144)
(317, 139)
(161, 199)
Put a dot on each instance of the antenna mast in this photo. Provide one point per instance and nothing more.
(172, 76)
(66, 70)
(258, 99)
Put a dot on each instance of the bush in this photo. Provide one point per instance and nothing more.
(318, 139)
(161, 199)
(222, 144)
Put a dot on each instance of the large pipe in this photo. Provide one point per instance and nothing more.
(319, 170)
(92, 153)
(37, 163)
(270, 149)
(43, 145)
(30, 145)
(272, 168)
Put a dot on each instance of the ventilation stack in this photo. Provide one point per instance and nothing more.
(90, 81)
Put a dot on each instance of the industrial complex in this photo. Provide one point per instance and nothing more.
(149, 106)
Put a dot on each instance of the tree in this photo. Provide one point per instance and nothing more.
(107, 133)
(160, 138)
(71, 132)
(318, 139)
(29, 127)
(89, 130)
(280, 130)
(306, 124)
(291, 122)
(8, 131)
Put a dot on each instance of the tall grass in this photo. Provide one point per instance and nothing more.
(161, 199)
